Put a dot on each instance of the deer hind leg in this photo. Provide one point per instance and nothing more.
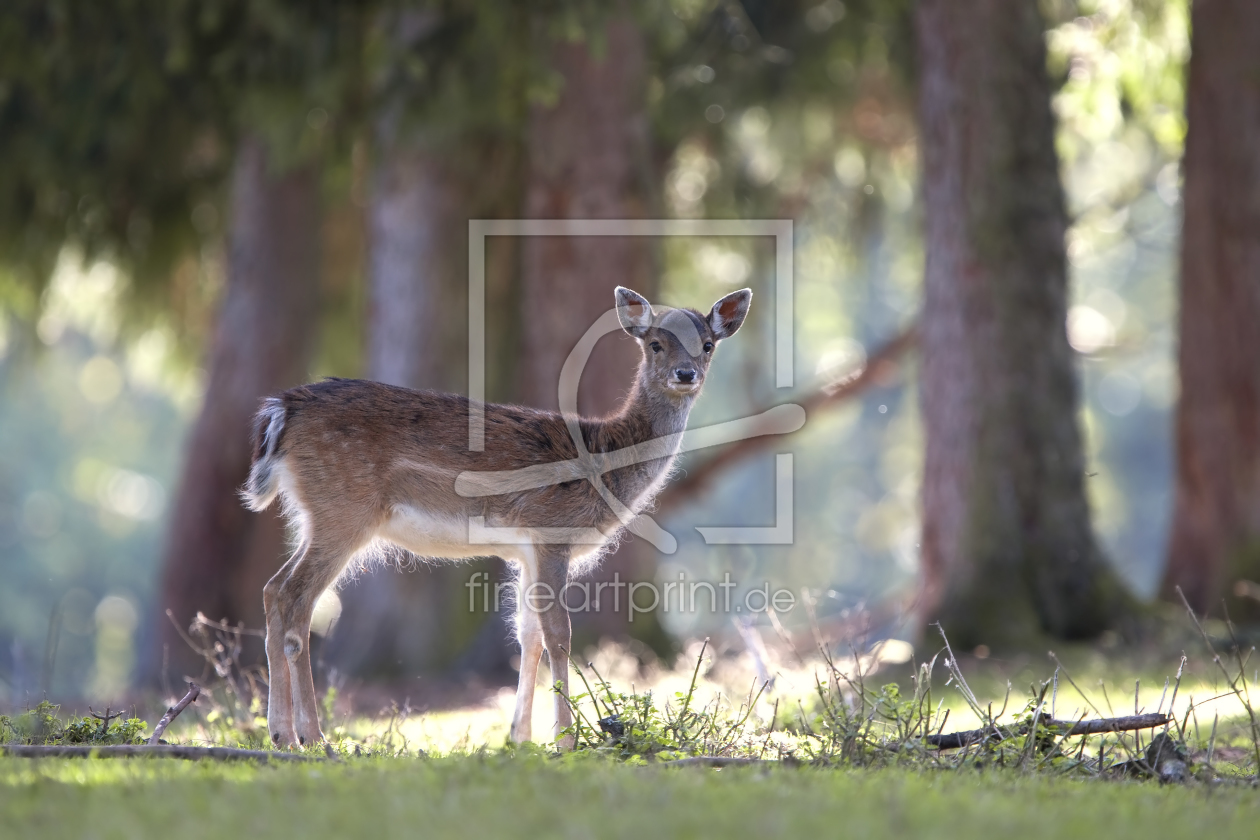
(311, 572)
(279, 691)
(553, 574)
(530, 635)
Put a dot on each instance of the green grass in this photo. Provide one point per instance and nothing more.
(853, 744)
(527, 795)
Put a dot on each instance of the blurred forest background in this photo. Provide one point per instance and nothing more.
(205, 202)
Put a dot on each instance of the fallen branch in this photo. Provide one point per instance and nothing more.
(194, 691)
(876, 370)
(1066, 728)
(158, 750)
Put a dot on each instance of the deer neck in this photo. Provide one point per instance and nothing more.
(649, 414)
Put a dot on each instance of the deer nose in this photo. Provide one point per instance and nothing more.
(685, 375)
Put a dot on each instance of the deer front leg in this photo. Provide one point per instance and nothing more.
(557, 639)
(529, 633)
(553, 574)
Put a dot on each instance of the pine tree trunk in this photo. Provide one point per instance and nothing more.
(584, 162)
(1008, 552)
(1215, 541)
(218, 554)
(399, 623)
(588, 158)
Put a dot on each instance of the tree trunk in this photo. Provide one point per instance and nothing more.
(218, 554)
(1215, 543)
(583, 153)
(588, 158)
(398, 624)
(1007, 548)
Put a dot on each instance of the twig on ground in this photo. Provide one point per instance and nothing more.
(104, 719)
(1181, 733)
(107, 717)
(691, 690)
(172, 712)
(158, 750)
(1068, 728)
(951, 663)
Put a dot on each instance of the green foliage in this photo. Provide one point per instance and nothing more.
(636, 727)
(44, 725)
(118, 120)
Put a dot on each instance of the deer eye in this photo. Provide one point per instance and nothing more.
(708, 347)
(656, 347)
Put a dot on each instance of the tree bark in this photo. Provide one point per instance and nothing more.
(588, 158)
(218, 554)
(418, 270)
(399, 624)
(1008, 552)
(1215, 540)
(584, 161)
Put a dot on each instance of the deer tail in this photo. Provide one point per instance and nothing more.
(263, 484)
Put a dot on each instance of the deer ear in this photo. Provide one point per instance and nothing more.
(728, 313)
(634, 312)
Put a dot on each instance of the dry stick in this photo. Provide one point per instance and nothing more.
(1054, 697)
(1106, 698)
(172, 712)
(951, 665)
(188, 640)
(1212, 742)
(229, 628)
(729, 738)
(589, 691)
(159, 750)
(107, 717)
(1036, 719)
(609, 699)
(1069, 728)
(774, 718)
(1173, 702)
(104, 719)
(682, 717)
(876, 368)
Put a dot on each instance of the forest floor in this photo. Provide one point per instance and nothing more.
(586, 796)
(704, 746)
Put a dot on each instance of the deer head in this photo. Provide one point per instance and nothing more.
(678, 344)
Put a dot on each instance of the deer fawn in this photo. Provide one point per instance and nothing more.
(358, 463)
